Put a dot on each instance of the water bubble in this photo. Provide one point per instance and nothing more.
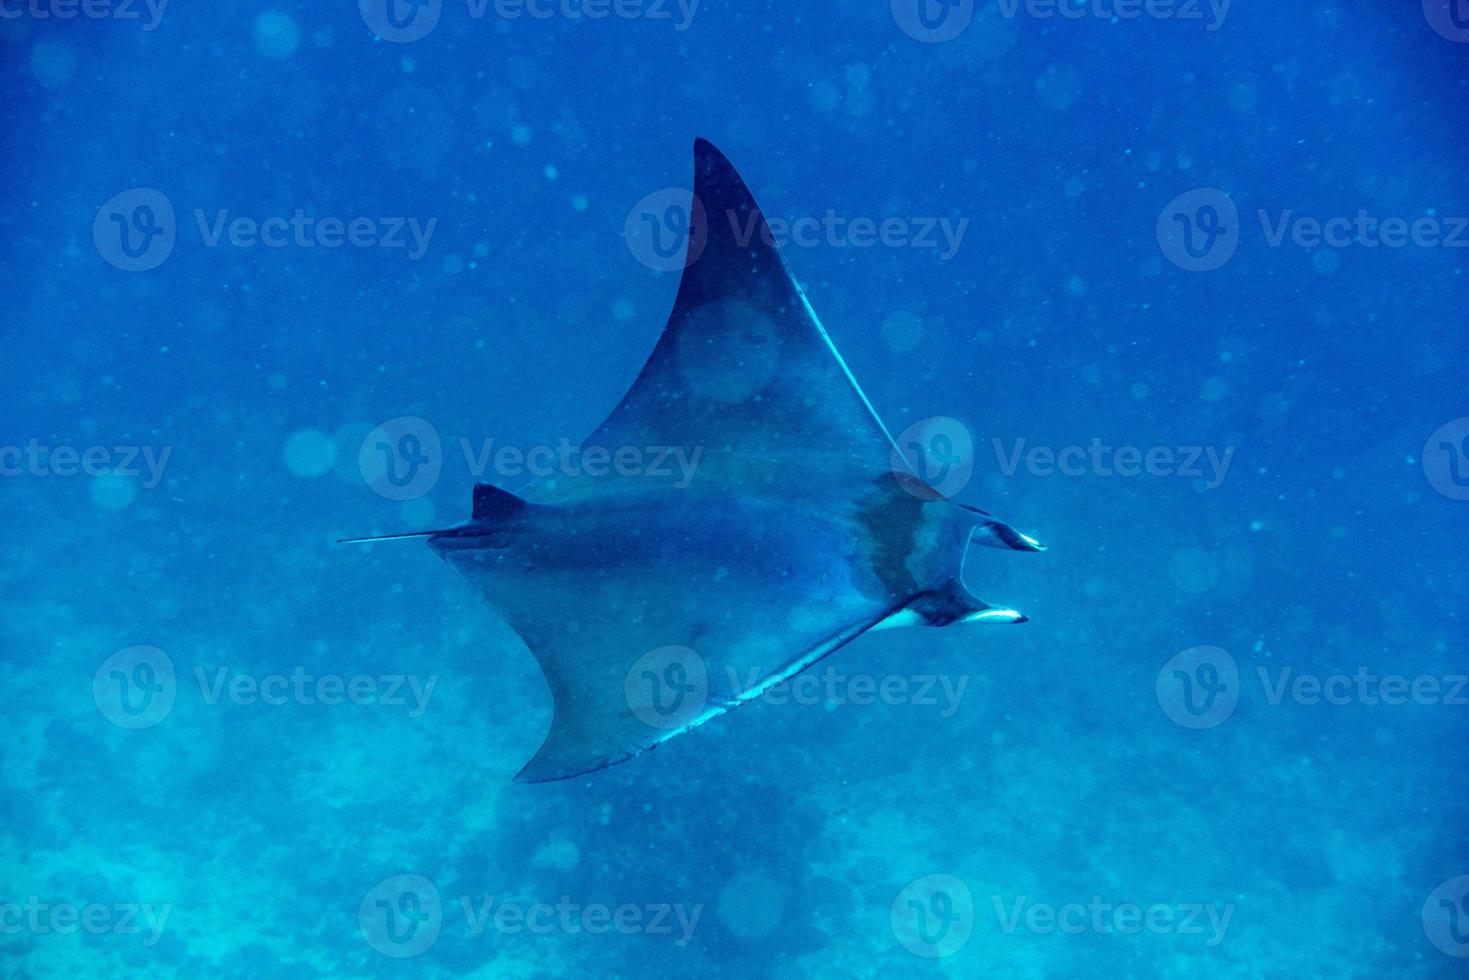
(276, 35)
(112, 491)
(310, 453)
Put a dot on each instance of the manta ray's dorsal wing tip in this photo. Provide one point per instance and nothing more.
(713, 170)
(744, 372)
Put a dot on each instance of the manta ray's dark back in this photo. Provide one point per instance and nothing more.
(655, 602)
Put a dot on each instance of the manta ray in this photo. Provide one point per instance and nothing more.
(654, 604)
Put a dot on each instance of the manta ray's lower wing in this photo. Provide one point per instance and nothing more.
(744, 373)
(649, 622)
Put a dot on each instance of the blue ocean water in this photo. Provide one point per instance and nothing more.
(1178, 288)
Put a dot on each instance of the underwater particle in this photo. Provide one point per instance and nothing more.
(112, 491)
(622, 309)
(1257, 525)
(1059, 86)
(825, 97)
(551, 171)
(858, 75)
(902, 330)
(276, 35)
(1214, 389)
(52, 64)
(1326, 261)
(860, 103)
(558, 853)
(1140, 390)
(751, 904)
(453, 264)
(520, 135)
(1242, 98)
(1194, 570)
(310, 453)
(1076, 286)
(580, 203)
